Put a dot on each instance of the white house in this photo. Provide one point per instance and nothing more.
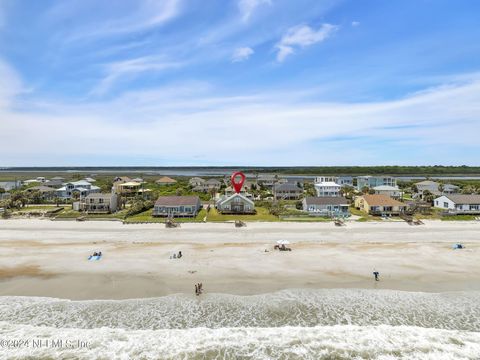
(328, 188)
(392, 191)
(76, 189)
(97, 203)
(460, 204)
(340, 180)
(196, 181)
(235, 204)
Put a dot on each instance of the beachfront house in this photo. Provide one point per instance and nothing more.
(98, 203)
(458, 204)
(374, 204)
(165, 180)
(235, 204)
(391, 191)
(374, 181)
(177, 206)
(76, 189)
(332, 206)
(287, 191)
(328, 188)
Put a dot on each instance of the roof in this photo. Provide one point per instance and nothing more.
(465, 199)
(121, 178)
(89, 179)
(381, 200)
(98, 195)
(58, 178)
(131, 183)
(326, 200)
(227, 198)
(213, 181)
(427, 182)
(386, 188)
(177, 200)
(287, 187)
(166, 179)
(42, 188)
(328, 183)
(79, 183)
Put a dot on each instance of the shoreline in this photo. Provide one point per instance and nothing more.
(45, 258)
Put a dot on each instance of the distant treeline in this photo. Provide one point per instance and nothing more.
(311, 170)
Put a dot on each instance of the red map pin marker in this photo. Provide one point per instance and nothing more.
(237, 180)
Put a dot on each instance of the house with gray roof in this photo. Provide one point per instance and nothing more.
(76, 189)
(177, 206)
(435, 188)
(392, 191)
(458, 204)
(287, 191)
(326, 206)
(235, 204)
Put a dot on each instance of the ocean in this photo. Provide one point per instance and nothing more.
(289, 324)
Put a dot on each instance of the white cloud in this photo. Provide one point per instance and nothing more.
(145, 15)
(131, 68)
(355, 23)
(247, 7)
(302, 36)
(154, 123)
(242, 54)
(11, 83)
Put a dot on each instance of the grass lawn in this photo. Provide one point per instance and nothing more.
(72, 214)
(261, 215)
(306, 218)
(37, 208)
(459, 218)
(212, 215)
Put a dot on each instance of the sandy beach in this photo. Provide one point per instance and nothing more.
(48, 258)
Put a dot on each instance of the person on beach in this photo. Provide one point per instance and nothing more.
(196, 290)
(376, 274)
(179, 255)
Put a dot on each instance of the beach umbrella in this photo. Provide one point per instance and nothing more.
(283, 242)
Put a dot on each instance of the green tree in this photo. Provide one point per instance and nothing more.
(428, 196)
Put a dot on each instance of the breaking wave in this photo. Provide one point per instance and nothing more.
(290, 324)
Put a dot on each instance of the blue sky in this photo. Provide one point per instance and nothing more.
(239, 82)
